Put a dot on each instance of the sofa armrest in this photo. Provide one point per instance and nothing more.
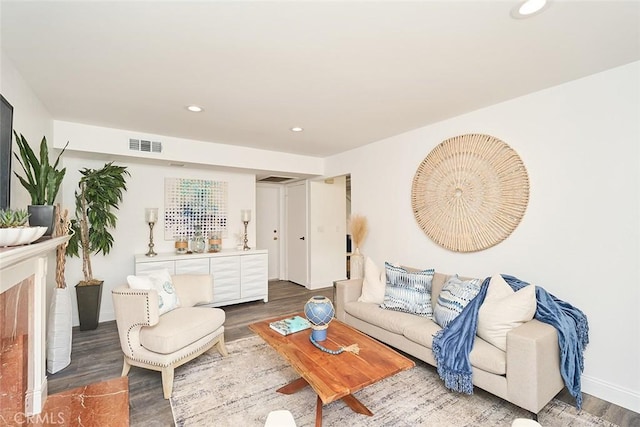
(346, 291)
(533, 365)
(134, 308)
(193, 289)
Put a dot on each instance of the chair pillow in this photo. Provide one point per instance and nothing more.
(504, 309)
(373, 284)
(453, 298)
(159, 281)
(407, 291)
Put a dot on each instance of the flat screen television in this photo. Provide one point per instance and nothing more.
(6, 129)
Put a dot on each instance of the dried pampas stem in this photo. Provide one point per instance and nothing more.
(358, 227)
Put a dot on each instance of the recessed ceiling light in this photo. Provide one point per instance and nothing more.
(194, 108)
(296, 129)
(528, 8)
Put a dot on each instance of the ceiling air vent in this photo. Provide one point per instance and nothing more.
(145, 145)
(274, 178)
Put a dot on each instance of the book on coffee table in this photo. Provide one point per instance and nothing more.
(290, 325)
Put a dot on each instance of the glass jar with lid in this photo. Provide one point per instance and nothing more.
(215, 242)
(181, 244)
(199, 242)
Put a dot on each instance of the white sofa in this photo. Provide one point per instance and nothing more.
(527, 374)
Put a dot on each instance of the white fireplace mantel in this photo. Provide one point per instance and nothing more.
(17, 264)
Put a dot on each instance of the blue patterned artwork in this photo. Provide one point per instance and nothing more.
(195, 204)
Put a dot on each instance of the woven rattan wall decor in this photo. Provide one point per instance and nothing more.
(470, 192)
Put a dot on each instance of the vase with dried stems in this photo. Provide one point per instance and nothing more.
(60, 321)
(358, 228)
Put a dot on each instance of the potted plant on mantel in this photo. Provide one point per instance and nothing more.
(15, 230)
(42, 181)
(99, 193)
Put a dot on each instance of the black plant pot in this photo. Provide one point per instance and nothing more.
(89, 297)
(42, 216)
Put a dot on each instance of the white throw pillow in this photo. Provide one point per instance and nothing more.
(373, 284)
(504, 309)
(160, 281)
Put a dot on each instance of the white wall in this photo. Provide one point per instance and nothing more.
(145, 188)
(580, 235)
(30, 118)
(327, 232)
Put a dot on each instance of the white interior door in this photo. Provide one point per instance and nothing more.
(268, 225)
(297, 243)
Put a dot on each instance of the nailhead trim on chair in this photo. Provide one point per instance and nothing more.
(135, 325)
(148, 362)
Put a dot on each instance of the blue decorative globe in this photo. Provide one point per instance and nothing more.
(319, 311)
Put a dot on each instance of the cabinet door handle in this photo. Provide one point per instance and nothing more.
(302, 238)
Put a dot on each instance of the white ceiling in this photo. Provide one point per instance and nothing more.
(349, 72)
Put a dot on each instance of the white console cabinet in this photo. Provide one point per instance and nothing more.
(238, 276)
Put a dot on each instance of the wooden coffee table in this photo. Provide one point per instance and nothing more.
(333, 377)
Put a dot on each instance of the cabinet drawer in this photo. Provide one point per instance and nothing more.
(192, 266)
(146, 267)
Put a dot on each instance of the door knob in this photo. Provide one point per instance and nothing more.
(302, 238)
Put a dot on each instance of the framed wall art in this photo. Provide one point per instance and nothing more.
(193, 205)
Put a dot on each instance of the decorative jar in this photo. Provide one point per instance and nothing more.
(199, 243)
(215, 243)
(319, 311)
(181, 244)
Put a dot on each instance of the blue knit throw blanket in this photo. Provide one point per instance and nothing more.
(452, 345)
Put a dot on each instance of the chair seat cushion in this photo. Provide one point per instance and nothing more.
(181, 327)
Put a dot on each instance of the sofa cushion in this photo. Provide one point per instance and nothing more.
(453, 298)
(488, 358)
(181, 327)
(408, 291)
(392, 321)
(373, 284)
(504, 309)
(422, 332)
(159, 281)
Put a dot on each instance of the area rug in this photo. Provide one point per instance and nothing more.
(240, 390)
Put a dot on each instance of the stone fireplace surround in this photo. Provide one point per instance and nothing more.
(23, 275)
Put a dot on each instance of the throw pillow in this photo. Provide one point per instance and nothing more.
(453, 298)
(407, 291)
(373, 284)
(160, 281)
(504, 309)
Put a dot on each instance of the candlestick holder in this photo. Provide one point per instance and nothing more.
(246, 240)
(151, 216)
(246, 217)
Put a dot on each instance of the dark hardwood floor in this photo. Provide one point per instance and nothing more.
(96, 356)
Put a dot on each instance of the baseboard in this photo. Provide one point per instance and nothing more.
(627, 398)
(321, 285)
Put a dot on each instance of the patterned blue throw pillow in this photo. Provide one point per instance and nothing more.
(408, 291)
(453, 298)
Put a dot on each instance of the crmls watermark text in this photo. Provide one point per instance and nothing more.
(22, 419)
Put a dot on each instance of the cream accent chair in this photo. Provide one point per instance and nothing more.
(162, 343)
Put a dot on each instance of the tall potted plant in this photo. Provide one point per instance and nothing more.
(42, 180)
(98, 195)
